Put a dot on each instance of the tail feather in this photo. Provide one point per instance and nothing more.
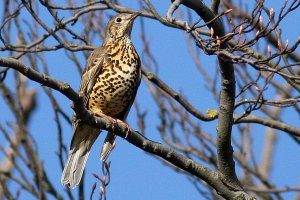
(108, 145)
(83, 139)
(74, 169)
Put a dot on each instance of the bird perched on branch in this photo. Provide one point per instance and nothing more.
(109, 84)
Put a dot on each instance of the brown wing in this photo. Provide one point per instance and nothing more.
(89, 76)
(83, 135)
(91, 72)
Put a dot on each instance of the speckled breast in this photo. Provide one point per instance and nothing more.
(116, 86)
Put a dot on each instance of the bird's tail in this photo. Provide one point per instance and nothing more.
(108, 145)
(83, 138)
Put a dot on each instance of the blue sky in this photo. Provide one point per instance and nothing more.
(134, 173)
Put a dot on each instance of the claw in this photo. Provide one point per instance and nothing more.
(127, 129)
(114, 121)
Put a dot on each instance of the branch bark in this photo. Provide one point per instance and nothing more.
(121, 129)
(227, 98)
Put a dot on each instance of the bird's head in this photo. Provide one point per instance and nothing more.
(120, 25)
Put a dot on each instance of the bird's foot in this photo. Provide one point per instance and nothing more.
(127, 129)
(111, 119)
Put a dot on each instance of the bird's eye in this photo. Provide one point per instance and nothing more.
(118, 20)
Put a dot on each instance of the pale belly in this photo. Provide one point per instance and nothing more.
(114, 91)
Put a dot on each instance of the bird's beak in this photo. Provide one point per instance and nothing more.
(135, 15)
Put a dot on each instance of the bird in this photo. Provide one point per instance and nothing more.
(108, 86)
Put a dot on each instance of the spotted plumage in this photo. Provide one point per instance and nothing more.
(117, 83)
(109, 85)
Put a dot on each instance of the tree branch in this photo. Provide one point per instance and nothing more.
(159, 83)
(121, 129)
(268, 122)
(227, 98)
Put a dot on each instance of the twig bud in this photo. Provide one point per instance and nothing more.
(227, 11)
(96, 176)
(218, 41)
(240, 30)
(279, 45)
(212, 32)
(261, 22)
(286, 44)
(271, 14)
(269, 50)
(257, 33)
(102, 190)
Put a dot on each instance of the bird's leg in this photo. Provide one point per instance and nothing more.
(101, 114)
(114, 121)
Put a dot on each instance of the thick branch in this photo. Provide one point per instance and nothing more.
(121, 129)
(270, 123)
(159, 83)
(43, 79)
(227, 98)
(275, 124)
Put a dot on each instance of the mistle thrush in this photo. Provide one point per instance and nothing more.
(109, 84)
